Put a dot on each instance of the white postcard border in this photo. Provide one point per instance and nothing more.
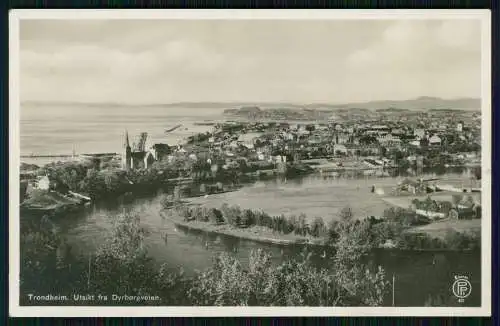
(143, 311)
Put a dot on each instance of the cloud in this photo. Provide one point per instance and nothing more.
(87, 64)
(417, 45)
(170, 61)
(177, 54)
(464, 35)
(420, 58)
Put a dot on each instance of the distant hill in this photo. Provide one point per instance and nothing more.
(420, 103)
(391, 110)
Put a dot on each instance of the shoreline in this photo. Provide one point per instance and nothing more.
(244, 234)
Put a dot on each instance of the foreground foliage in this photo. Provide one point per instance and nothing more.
(122, 266)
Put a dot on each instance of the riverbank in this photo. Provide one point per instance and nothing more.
(50, 202)
(252, 233)
(387, 233)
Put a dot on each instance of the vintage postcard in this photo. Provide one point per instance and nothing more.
(250, 163)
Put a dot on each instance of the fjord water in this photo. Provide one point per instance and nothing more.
(59, 129)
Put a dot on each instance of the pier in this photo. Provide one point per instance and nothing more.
(48, 156)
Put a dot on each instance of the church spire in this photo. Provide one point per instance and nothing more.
(127, 144)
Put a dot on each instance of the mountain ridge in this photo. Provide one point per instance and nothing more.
(419, 103)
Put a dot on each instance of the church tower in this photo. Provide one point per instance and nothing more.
(127, 153)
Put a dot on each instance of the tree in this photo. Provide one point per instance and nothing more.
(346, 214)
(93, 183)
(415, 202)
(217, 216)
(339, 153)
(469, 201)
(352, 245)
(247, 218)
(318, 227)
(456, 199)
(234, 215)
(333, 231)
(205, 213)
(477, 172)
(292, 283)
(122, 265)
(446, 207)
(112, 182)
(198, 214)
(433, 206)
(427, 203)
(302, 225)
(453, 214)
(44, 254)
(477, 211)
(167, 201)
(293, 224)
(367, 140)
(396, 154)
(310, 127)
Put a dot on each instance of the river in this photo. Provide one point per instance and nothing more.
(417, 274)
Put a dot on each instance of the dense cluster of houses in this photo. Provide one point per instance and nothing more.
(276, 142)
(271, 141)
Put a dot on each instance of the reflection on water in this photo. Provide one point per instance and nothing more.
(417, 274)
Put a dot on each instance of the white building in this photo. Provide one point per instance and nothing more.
(42, 183)
(388, 139)
(415, 143)
(419, 133)
(337, 148)
(435, 140)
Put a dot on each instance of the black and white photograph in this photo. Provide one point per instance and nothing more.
(229, 162)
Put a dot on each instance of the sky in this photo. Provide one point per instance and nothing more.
(168, 61)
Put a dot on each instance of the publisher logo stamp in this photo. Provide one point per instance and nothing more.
(461, 287)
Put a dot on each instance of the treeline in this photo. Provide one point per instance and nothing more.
(244, 218)
(460, 206)
(122, 266)
(97, 180)
(392, 229)
(395, 228)
(452, 240)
